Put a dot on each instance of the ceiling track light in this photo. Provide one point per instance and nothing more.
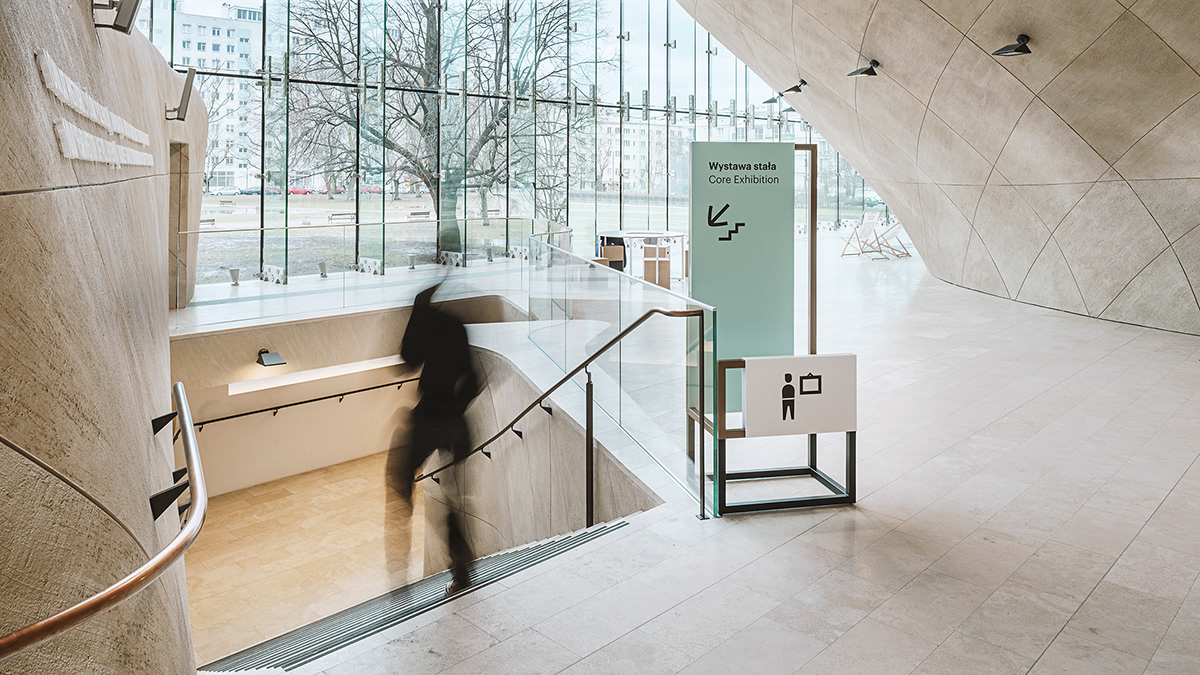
(796, 88)
(1021, 47)
(869, 71)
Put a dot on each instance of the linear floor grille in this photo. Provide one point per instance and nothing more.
(324, 636)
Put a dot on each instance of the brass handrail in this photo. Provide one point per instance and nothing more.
(41, 631)
(567, 378)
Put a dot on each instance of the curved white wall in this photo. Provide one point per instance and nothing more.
(84, 273)
(1067, 178)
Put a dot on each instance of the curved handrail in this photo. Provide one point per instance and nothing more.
(37, 633)
(567, 378)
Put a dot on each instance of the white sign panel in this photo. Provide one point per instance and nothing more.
(786, 395)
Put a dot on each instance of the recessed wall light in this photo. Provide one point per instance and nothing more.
(267, 357)
(869, 71)
(1021, 47)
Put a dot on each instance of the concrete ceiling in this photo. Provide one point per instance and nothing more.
(1068, 178)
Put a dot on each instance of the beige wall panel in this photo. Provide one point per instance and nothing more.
(947, 242)
(773, 18)
(947, 157)
(83, 298)
(1172, 203)
(962, 14)
(894, 26)
(1059, 32)
(979, 99)
(1163, 290)
(1169, 150)
(847, 19)
(1025, 160)
(1052, 203)
(1050, 282)
(1012, 231)
(1107, 239)
(1120, 87)
(966, 198)
(1176, 22)
(823, 57)
(1187, 250)
(888, 107)
(980, 272)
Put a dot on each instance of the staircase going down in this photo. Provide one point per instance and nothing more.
(325, 636)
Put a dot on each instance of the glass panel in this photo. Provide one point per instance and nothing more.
(550, 188)
(274, 240)
(608, 50)
(412, 43)
(411, 159)
(324, 40)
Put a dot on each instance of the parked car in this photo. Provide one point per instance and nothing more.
(257, 190)
(299, 190)
(371, 189)
(225, 191)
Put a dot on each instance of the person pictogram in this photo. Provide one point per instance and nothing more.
(789, 398)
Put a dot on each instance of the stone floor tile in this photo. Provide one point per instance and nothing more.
(430, 649)
(634, 652)
(1099, 531)
(1065, 570)
(984, 559)
(960, 654)
(894, 559)
(708, 618)
(1020, 619)
(1070, 654)
(528, 652)
(849, 532)
(1155, 570)
(527, 604)
(1122, 618)
(764, 647)
(788, 569)
(589, 625)
(869, 649)
(830, 606)
(932, 606)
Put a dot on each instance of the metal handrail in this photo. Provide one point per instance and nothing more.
(276, 408)
(320, 226)
(37, 633)
(567, 378)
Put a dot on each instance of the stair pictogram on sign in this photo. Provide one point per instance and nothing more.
(713, 222)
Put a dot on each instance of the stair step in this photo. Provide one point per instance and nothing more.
(325, 636)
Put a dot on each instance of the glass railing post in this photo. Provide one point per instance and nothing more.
(589, 462)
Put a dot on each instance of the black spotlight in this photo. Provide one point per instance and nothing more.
(869, 71)
(267, 357)
(1021, 47)
(795, 89)
(773, 99)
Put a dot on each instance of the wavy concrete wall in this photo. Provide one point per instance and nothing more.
(1067, 178)
(84, 252)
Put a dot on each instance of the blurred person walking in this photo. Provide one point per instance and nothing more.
(437, 343)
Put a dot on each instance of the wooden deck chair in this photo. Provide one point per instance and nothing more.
(869, 235)
(891, 241)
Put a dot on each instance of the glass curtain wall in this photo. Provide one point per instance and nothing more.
(409, 111)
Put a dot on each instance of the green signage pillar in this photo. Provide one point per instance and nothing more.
(743, 246)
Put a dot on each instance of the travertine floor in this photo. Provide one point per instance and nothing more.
(1029, 501)
(280, 555)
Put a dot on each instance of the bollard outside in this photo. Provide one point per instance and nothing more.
(233, 274)
(412, 261)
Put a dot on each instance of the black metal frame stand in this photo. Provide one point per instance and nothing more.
(839, 494)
